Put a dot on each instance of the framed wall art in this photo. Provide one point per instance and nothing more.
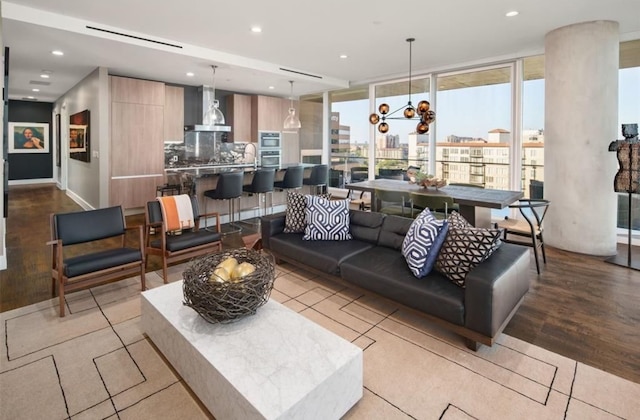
(79, 139)
(28, 137)
(58, 140)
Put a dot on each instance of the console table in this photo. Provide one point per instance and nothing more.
(275, 364)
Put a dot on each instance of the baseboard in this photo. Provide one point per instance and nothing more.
(75, 197)
(32, 181)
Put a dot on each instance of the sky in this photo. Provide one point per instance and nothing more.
(472, 112)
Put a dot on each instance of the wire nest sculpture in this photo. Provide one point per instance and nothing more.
(221, 302)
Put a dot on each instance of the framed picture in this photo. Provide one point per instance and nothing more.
(58, 141)
(77, 136)
(28, 137)
(79, 141)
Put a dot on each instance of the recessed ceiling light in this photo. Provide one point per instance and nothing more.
(57, 52)
(190, 74)
(44, 76)
(272, 87)
(30, 97)
(35, 90)
(511, 13)
(256, 29)
(343, 55)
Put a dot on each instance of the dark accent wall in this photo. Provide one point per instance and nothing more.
(31, 165)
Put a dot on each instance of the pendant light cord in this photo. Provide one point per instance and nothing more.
(291, 97)
(410, 41)
(214, 81)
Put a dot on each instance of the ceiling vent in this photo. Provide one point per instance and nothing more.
(133, 36)
(301, 73)
(39, 83)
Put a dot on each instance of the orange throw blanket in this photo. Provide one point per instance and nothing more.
(177, 213)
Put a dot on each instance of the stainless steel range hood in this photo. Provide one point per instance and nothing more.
(206, 96)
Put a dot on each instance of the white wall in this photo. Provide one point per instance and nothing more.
(3, 220)
(87, 182)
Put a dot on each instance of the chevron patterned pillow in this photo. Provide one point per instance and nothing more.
(465, 247)
(327, 220)
(423, 242)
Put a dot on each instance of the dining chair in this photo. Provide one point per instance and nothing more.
(439, 204)
(530, 226)
(394, 202)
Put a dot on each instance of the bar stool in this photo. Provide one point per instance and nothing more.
(262, 183)
(229, 187)
(317, 181)
(292, 179)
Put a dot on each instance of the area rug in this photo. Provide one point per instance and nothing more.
(97, 363)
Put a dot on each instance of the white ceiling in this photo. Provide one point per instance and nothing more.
(301, 35)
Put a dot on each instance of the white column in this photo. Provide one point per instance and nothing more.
(581, 114)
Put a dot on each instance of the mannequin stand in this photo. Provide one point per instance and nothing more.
(630, 133)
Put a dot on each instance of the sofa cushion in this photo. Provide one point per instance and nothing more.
(365, 225)
(384, 271)
(464, 248)
(325, 256)
(89, 263)
(187, 240)
(394, 229)
(327, 220)
(423, 242)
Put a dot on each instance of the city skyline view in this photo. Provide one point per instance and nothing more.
(474, 111)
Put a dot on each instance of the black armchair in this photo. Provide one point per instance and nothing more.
(110, 262)
(188, 243)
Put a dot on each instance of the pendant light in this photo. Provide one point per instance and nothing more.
(292, 122)
(421, 112)
(213, 116)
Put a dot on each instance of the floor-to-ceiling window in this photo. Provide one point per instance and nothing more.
(402, 145)
(349, 135)
(533, 127)
(473, 127)
(629, 113)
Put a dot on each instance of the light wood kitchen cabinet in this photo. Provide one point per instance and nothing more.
(173, 113)
(268, 113)
(239, 117)
(137, 141)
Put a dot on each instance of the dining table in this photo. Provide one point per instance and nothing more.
(474, 204)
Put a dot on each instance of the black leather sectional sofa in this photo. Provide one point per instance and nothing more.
(372, 260)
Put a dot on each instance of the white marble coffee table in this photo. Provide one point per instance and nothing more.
(275, 365)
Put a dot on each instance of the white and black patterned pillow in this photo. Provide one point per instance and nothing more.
(294, 219)
(423, 242)
(295, 216)
(465, 247)
(327, 220)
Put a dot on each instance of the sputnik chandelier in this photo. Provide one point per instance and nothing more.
(423, 111)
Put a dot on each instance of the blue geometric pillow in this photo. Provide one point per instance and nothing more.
(327, 220)
(423, 242)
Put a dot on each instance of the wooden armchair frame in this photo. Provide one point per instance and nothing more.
(104, 263)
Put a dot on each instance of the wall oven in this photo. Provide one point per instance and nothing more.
(269, 140)
(270, 157)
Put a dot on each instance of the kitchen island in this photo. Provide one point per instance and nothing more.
(205, 177)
